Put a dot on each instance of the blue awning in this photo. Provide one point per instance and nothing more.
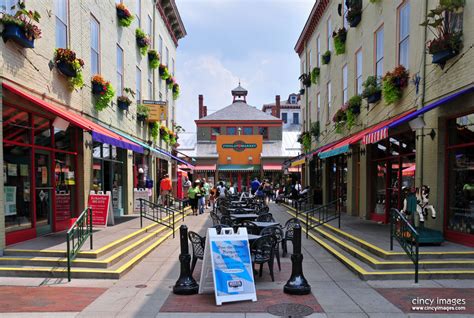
(175, 158)
(152, 150)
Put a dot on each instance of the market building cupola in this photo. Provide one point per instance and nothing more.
(240, 94)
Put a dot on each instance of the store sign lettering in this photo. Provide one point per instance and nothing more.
(239, 146)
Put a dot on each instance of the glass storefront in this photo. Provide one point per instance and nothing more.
(337, 179)
(460, 185)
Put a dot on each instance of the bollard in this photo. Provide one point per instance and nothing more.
(186, 284)
(297, 284)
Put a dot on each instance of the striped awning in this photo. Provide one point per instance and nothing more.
(272, 166)
(375, 136)
(205, 168)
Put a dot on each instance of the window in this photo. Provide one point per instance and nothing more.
(150, 29)
(167, 56)
(344, 84)
(95, 46)
(248, 130)
(310, 67)
(284, 117)
(172, 67)
(344, 15)
(8, 6)
(215, 131)
(318, 51)
(119, 70)
(263, 131)
(138, 80)
(329, 29)
(160, 49)
(318, 105)
(359, 72)
(379, 52)
(329, 100)
(150, 83)
(404, 34)
(231, 131)
(296, 118)
(293, 99)
(138, 10)
(61, 23)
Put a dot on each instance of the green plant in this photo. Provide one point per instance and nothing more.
(125, 17)
(354, 104)
(315, 130)
(24, 19)
(164, 73)
(326, 57)
(143, 41)
(143, 110)
(339, 37)
(339, 126)
(153, 59)
(371, 86)
(393, 84)
(176, 91)
(354, 10)
(305, 140)
(124, 98)
(165, 134)
(155, 130)
(375, 1)
(315, 75)
(69, 57)
(105, 98)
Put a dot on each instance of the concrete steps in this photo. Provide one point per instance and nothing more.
(370, 262)
(108, 262)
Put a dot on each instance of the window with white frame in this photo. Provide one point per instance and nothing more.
(150, 83)
(379, 52)
(284, 117)
(95, 46)
(309, 61)
(404, 34)
(61, 7)
(344, 84)
(167, 56)
(296, 118)
(150, 29)
(358, 78)
(138, 81)
(119, 70)
(318, 51)
(172, 66)
(138, 10)
(318, 106)
(329, 34)
(8, 6)
(329, 92)
(344, 15)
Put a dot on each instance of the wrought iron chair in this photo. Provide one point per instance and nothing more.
(289, 231)
(226, 220)
(278, 233)
(262, 251)
(252, 228)
(215, 219)
(267, 217)
(197, 242)
(263, 210)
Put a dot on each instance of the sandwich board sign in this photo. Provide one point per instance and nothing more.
(227, 266)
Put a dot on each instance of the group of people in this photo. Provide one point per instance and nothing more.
(202, 195)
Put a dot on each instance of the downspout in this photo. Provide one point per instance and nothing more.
(306, 170)
(422, 97)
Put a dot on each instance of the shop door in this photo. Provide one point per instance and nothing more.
(43, 193)
(394, 187)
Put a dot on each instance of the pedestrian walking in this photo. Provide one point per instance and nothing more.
(207, 188)
(200, 194)
(192, 195)
(221, 190)
(165, 189)
(255, 185)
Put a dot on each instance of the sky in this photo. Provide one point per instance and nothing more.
(230, 40)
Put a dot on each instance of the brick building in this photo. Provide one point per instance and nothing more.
(57, 146)
(372, 153)
(288, 111)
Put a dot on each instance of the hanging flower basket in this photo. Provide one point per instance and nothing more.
(17, 35)
(355, 20)
(372, 89)
(69, 65)
(163, 70)
(393, 84)
(124, 15)
(374, 98)
(176, 91)
(302, 91)
(354, 12)
(103, 91)
(153, 59)
(315, 75)
(20, 28)
(326, 58)
(142, 112)
(66, 69)
(339, 37)
(143, 41)
(123, 102)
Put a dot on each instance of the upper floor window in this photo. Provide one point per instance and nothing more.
(329, 92)
(95, 47)
(293, 99)
(215, 131)
(248, 130)
(61, 7)
(284, 117)
(8, 6)
(344, 84)
(150, 29)
(138, 92)
(318, 106)
(344, 16)
(172, 67)
(160, 46)
(318, 51)
(150, 83)
(379, 52)
(119, 70)
(263, 131)
(329, 34)
(358, 78)
(167, 56)
(296, 118)
(138, 10)
(231, 131)
(404, 34)
(309, 61)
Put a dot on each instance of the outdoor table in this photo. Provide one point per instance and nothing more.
(253, 237)
(265, 224)
(248, 216)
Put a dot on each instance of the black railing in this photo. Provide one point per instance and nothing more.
(160, 214)
(77, 235)
(406, 235)
(323, 214)
(304, 203)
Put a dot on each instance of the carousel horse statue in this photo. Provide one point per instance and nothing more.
(419, 203)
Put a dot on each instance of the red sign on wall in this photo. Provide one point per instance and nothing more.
(99, 203)
(63, 206)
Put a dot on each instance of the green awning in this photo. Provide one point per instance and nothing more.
(238, 167)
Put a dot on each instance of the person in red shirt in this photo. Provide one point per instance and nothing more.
(165, 189)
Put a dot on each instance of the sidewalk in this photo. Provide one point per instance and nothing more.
(336, 292)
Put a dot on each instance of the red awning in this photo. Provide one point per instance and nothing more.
(343, 145)
(205, 168)
(99, 133)
(272, 166)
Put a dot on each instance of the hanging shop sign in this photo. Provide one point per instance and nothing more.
(239, 149)
(158, 110)
(227, 266)
(102, 214)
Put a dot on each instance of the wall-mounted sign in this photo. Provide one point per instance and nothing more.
(241, 149)
(239, 145)
(158, 110)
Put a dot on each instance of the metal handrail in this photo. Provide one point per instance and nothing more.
(77, 235)
(325, 215)
(304, 201)
(157, 213)
(406, 235)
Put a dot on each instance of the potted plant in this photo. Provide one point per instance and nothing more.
(69, 65)
(163, 70)
(339, 37)
(302, 91)
(340, 117)
(175, 91)
(354, 12)
(142, 112)
(173, 139)
(315, 130)
(305, 79)
(305, 140)
(123, 102)
(170, 82)
(354, 104)
(393, 84)
(104, 92)
(154, 131)
(326, 57)
(315, 75)
(153, 59)
(372, 89)
(143, 41)
(125, 17)
(164, 134)
(20, 27)
(442, 22)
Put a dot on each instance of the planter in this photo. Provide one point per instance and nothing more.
(141, 117)
(97, 88)
(355, 21)
(442, 56)
(356, 110)
(16, 34)
(307, 81)
(66, 69)
(121, 14)
(302, 91)
(374, 97)
(326, 59)
(123, 105)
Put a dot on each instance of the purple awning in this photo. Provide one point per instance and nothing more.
(116, 142)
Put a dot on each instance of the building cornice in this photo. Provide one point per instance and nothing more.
(310, 25)
(170, 15)
(235, 122)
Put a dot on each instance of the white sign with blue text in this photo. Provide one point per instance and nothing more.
(227, 266)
